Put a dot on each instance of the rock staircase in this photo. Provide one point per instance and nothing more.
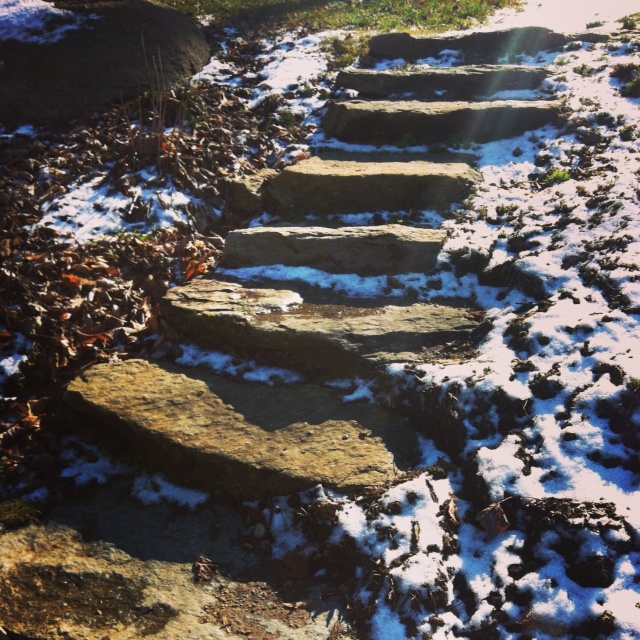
(252, 440)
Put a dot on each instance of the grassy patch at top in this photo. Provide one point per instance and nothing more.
(429, 15)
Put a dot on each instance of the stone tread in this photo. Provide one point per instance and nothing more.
(340, 186)
(487, 46)
(431, 122)
(320, 339)
(459, 83)
(324, 187)
(245, 439)
(367, 251)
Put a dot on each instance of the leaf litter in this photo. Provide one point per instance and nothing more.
(410, 557)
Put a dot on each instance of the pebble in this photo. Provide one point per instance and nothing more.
(260, 531)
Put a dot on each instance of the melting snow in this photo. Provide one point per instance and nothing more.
(35, 21)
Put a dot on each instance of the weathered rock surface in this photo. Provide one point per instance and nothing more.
(368, 251)
(55, 584)
(459, 83)
(129, 48)
(428, 122)
(336, 183)
(325, 187)
(482, 45)
(245, 195)
(248, 440)
(333, 339)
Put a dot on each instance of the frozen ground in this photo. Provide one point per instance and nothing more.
(549, 246)
(545, 402)
(35, 21)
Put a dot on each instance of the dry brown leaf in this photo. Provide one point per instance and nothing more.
(493, 520)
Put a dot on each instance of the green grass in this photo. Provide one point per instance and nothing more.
(631, 21)
(553, 177)
(428, 15)
(15, 513)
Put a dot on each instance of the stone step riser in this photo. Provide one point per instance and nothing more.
(320, 187)
(488, 46)
(412, 122)
(334, 340)
(366, 251)
(458, 83)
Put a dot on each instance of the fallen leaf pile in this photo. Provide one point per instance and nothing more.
(66, 306)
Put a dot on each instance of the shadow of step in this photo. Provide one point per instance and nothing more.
(247, 440)
(456, 83)
(366, 251)
(339, 339)
(389, 122)
(325, 187)
(487, 46)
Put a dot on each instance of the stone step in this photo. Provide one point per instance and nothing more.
(458, 83)
(247, 440)
(338, 339)
(367, 251)
(325, 187)
(487, 46)
(415, 122)
(396, 155)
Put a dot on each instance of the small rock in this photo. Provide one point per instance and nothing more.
(260, 531)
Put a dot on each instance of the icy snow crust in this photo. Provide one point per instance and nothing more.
(35, 21)
(564, 345)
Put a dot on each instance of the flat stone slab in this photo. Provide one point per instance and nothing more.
(320, 339)
(324, 187)
(337, 183)
(458, 83)
(480, 45)
(61, 581)
(390, 122)
(366, 251)
(246, 439)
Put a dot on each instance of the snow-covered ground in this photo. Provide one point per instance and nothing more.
(567, 366)
(551, 404)
(565, 15)
(35, 21)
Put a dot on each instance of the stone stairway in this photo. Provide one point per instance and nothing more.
(469, 82)
(251, 440)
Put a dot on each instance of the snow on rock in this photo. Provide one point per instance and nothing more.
(35, 21)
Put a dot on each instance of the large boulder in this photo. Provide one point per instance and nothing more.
(121, 49)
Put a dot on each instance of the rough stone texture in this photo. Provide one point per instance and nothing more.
(329, 339)
(460, 83)
(55, 585)
(434, 157)
(246, 439)
(429, 122)
(325, 187)
(244, 195)
(109, 60)
(487, 45)
(367, 251)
